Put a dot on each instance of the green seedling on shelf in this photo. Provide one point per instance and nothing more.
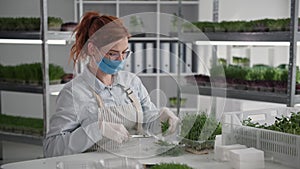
(189, 27)
(136, 24)
(174, 22)
(284, 76)
(278, 24)
(235, 26)
(21, 121)
(55, 72)
(205, 26)
(30, 73)
(1, 71)
(54, 22)
(222, 61)
(217, 71)
(174, 101)
(259, 25)
(270, 74)
(257, 72)
(21, 124)
(236, 72)
(26, 23)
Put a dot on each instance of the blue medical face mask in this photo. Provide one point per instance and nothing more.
(111, 66)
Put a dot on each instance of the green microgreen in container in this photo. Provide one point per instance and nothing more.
(199, 131)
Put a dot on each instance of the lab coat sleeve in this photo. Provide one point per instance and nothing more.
(67, 134)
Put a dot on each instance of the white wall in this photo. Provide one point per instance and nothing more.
(25, 104)
(245, 9)
(254, 9)
(18, 54)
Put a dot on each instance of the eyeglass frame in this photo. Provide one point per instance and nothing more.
(124, 54)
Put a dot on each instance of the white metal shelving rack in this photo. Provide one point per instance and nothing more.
(42, 38)
(121, 8)
(289, 38)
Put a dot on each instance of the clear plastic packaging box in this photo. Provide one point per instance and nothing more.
(110, 163)
(222, 152)
(249, 158)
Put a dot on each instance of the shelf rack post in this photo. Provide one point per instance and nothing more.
(45, 62)
(214, 54)
(157, 50)
(1, 145)
(180, 56)
(291, 88)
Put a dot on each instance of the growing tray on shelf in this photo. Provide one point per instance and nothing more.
(21, 129)
(267, 86)
(21, 125)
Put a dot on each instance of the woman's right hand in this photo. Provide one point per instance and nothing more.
(114, 131)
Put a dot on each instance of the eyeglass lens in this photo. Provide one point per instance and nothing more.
(115, 55)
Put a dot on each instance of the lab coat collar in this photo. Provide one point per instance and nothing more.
(96, 84)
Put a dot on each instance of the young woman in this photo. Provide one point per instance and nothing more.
(101, 107)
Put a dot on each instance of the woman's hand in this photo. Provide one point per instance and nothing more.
(167, 115)
(114, 131)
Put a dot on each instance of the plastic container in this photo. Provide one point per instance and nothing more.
(249, 158)
(222, 152)
(110, 163)
(71, 164)
(122, 162)
(281, 147)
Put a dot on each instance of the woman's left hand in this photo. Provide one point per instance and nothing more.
(167, 115)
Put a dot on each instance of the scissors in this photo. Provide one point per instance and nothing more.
(140, 136)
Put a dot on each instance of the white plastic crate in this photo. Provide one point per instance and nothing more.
(281, 147)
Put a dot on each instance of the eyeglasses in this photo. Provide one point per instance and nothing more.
(114, 55)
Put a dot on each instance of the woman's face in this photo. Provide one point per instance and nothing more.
(119, 50)
(114, 51)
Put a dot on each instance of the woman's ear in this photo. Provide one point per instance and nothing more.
(91, 49)
(94, 53)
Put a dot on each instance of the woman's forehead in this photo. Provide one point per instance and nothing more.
(119, 45)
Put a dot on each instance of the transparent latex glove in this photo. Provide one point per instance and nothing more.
(167, 115)
(114, 131)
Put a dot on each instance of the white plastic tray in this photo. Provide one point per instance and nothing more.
(281, 147)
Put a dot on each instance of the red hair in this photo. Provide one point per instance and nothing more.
(99, 29)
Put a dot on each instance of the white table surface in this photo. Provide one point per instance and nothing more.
(195, 161)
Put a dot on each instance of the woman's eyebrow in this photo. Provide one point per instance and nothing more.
(118, 51)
